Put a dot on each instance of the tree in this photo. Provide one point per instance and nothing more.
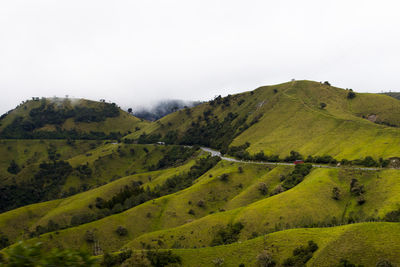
(351, 95)
(265, 259)
(121, 231)
(327, 83)
(262, 187)
(130, 110)
(13, 168)
(322, 105)
(336, 193)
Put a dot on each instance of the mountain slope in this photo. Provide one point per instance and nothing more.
(62, 118)
(281, 118)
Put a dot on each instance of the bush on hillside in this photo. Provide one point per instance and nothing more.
(162, 258)
(122, 231)
(393, 216)
(13, 168)
(301, 255)
(263, 189)
(351, 95)
(228, 234)
(265, 259)
(336, 193)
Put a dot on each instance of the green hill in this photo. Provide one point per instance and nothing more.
(362, 244)
(281, 118)
(107, 196)
(59, 118)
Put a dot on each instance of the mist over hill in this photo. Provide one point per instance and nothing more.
(163, 108)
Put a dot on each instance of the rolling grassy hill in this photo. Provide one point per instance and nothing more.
(61, 118)
(281, 118)
(105, 196)
(363, 243)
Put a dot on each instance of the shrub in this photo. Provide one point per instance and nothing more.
(262, 187)
(301, 255)
(361, 200)
(191, 212)
(89, 236)
(224, 177)
(13, 168)
(393, 216)
(322, 105)
(356, 188)
(228, 234)
(121, 231)
(336, 193)
(201, 203)
(327, 83)
(277, 190)
(351, 95)
(264, 259)
(162, 258)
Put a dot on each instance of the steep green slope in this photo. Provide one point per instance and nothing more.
(96, 167)
(21, 222)
(280, 118)
(363, 243)
(309, 204)
(173, 210)
(28, 152)
(73, 118)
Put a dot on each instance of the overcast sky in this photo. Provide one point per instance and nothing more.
(136, 52)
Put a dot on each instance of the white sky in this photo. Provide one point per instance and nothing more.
(135, 52)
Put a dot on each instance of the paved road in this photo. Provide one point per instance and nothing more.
(217, 153)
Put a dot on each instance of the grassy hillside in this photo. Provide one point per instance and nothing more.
(62, 118)
(310, 204)
(20, 222)
(281, 118)
(363, 243)
(28, 152)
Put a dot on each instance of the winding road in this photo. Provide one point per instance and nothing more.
(218, 154)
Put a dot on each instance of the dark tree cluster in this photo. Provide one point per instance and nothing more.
(135, 194)
(45, 185)
(176, 155)
(13, 168)
(48, 113)
(228, 234)
(301, 255)
(358, 190)
(296, 176)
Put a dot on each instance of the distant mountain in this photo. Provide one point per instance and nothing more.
(163, 108)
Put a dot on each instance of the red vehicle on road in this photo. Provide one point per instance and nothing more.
(298, 161)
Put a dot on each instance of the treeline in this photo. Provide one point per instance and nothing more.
(45, 184)
(241, 153)
(48, 113)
